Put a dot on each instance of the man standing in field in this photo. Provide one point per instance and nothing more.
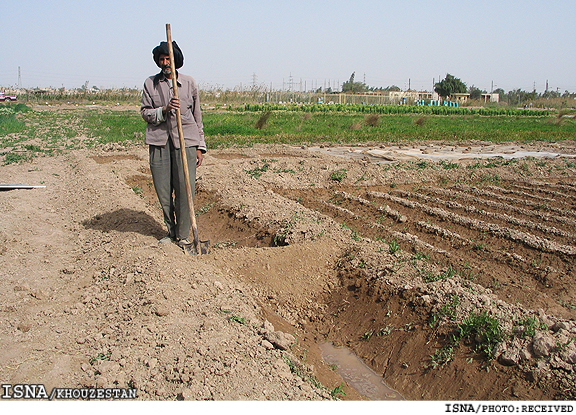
(158, 109)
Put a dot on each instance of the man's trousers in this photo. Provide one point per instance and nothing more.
(168, 178)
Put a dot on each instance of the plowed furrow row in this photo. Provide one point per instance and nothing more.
(421, 236)
(538, 206)
(412, 239)
(499, 205)
(524, 194)
(494, 215)
(402, 236)
(394, 214)
(567, 187)
(445, 233)
(555, 195)
(340, 209)
(530, 240)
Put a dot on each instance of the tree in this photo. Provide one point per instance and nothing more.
(450, 85)
(354, 87)
(475, 93)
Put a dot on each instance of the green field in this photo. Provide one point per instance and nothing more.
(25, 133)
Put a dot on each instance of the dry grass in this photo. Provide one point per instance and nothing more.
(420, 121)
(372, 120)
(262, 120)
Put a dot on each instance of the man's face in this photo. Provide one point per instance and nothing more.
(164, 62)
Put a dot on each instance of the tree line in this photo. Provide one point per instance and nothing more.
(451, 85)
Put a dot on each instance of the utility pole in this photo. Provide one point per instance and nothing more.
(19, 79)
(254, 78)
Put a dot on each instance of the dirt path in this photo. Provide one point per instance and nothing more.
(386, 259)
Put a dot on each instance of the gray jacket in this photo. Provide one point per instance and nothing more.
(157, 93)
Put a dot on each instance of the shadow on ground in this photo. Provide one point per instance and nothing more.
(126, 220)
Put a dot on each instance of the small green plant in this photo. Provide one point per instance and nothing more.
(138, 190)
(449, 165)
(338, 175)
(419, 256)
(205, 209)
(225, 244)
(568, 305)
(368, 335)
(278, 171)
(422, 164)
(490, 179)
(530, 325)
(442, 357)
(484, 330)
(362, 178)
(280, 237)
(10, 158)
(393, 247)
(258, 171)
(234, 318)
(447, 310)
(384, 331)
(100, 356)
(480, 247)
(338, 390)
(449, 273)
(299, 370)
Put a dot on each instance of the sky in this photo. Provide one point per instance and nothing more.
(307, 44)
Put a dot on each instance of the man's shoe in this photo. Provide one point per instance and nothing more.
(166, 240)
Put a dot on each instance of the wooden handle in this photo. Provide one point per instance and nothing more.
(182, 143)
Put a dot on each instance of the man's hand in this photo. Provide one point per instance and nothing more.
(199, 158)
(172, 105)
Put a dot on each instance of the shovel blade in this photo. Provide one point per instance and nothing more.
(190, 249)
(205, 247)
(198, 248)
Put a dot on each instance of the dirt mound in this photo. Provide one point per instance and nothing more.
(391, 260)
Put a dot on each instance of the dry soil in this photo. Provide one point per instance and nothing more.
(307, 247)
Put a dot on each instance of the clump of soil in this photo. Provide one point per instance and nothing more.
(388, 259)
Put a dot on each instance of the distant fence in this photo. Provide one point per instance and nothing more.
(283, 97)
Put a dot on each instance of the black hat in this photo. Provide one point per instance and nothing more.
(162, 49)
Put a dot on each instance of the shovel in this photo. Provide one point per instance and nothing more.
(198, 246)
